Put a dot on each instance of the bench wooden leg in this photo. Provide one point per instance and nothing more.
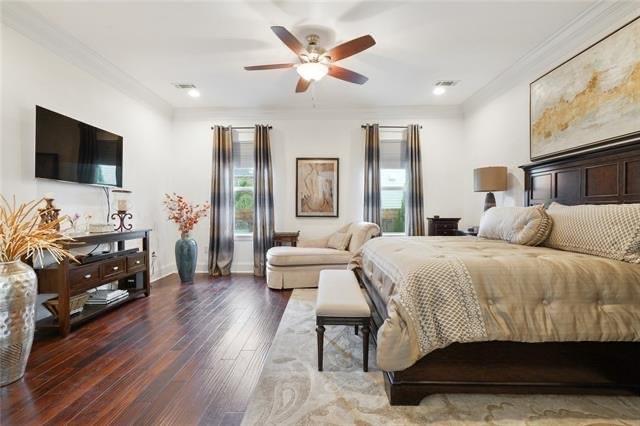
(365, 348)
(320, 333)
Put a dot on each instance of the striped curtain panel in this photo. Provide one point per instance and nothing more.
(414, 213)
(262, 200)
(372, 174)
(221, 239)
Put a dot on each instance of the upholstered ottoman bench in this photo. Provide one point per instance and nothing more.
(340, 302)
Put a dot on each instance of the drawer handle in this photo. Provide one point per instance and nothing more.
(115, 268)
(137, 262)
(88, 276)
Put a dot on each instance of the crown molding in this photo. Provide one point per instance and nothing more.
(23, 19)
(587, 28)
(366, 114)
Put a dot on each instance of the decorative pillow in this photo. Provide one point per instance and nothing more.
(608, 230)
(339, 240)
(528, 226)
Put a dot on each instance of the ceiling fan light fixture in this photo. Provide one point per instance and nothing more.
(312, 71)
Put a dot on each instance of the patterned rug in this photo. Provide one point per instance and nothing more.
(292, 392)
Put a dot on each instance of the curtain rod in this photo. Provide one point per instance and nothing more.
(389, 127)
(243, 127)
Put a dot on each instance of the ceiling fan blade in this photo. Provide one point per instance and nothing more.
(289, 39)
(350, 48)
(347, 75)
(302, 85)
(268, 67)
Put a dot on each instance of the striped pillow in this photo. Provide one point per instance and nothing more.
(609, 230)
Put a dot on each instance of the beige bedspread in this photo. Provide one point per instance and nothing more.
(441, 290)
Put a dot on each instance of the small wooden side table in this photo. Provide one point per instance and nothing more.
(440, 226)
(285, 238)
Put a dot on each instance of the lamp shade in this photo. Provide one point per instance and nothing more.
(486, 179)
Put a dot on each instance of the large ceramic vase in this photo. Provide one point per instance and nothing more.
(18, 290)
(186, 258)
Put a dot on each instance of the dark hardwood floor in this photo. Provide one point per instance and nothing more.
(188, 354)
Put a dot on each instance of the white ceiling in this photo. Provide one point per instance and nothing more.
(208, 43)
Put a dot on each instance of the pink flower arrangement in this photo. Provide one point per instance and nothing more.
(183, 213)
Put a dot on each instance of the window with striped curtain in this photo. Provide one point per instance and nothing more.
(393, 181)
(243, 181)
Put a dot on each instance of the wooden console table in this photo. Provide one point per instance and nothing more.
(130, 270)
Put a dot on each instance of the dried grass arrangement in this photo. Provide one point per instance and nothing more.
(23, 235)
(184, 214)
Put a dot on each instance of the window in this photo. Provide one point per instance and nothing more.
(243, 179)
(393, 176)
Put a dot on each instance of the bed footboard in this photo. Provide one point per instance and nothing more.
(602, 368)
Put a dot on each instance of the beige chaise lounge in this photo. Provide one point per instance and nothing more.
(299, 267)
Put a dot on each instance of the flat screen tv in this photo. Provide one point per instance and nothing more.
(73, 151)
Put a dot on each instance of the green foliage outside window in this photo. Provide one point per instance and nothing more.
(244, 181)
(244, 200)
(398, 224)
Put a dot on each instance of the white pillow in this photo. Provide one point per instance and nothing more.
(528, 226)
(608, 230)
(339, 240)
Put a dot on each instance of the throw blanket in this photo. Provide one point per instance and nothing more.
(440, 290)
(439, 298)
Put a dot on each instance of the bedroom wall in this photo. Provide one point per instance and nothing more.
(317, 133)
(32, 75)
(496, 119)
(497, 134)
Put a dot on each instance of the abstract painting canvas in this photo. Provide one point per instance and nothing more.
(317, 187)
(592, 99)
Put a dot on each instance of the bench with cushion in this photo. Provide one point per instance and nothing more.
(340, 302)
(299, 267)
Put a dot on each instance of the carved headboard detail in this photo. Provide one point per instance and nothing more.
(605, 176)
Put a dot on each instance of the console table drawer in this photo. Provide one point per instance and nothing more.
(446, 225)
(84, 277)
(136, 262)
(113, 268)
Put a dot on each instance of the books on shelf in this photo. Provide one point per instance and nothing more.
(105, 297)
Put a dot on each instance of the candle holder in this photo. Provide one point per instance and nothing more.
(122, 216)
(49, 213)
(121, 200)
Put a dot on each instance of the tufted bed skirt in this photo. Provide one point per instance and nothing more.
(441, 290)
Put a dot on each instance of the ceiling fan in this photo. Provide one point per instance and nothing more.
(315, 62)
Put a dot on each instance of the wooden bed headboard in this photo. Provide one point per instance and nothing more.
(605, 176)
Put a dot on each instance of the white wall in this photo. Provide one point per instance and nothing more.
(497, 134)
(316, 134)
(496, 119)
(31, 75)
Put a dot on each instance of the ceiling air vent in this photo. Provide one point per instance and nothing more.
(446, 83)
(184, 86)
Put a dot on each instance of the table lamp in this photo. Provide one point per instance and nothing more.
(488, 179)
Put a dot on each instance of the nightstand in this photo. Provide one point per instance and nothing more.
(285, 238)
(440, 226)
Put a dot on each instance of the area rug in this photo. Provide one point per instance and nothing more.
(291, 391)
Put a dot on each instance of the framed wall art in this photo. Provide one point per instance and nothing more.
(317, 187)
(591, 99)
